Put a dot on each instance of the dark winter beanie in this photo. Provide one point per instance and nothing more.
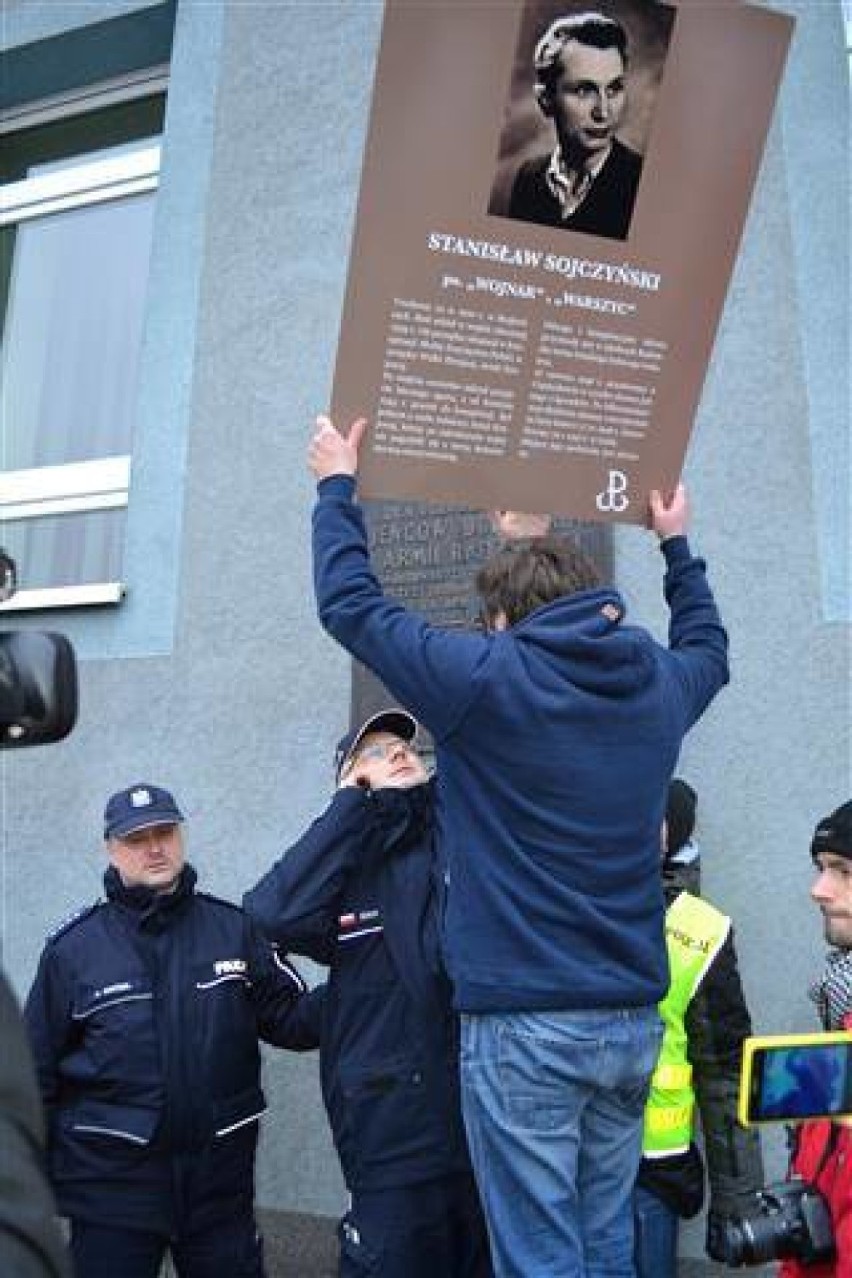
(680, 815)
(834, 833)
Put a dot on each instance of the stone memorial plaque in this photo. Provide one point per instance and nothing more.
(427, 557)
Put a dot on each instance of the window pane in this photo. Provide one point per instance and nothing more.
(66, 550)
(24, 152)
(71, 161)
(74, 257)
(73, 333)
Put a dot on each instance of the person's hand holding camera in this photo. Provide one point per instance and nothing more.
(717, 1242)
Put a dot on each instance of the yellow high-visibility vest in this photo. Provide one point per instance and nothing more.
(695, 932)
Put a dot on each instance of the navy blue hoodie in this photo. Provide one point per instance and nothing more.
(555, 743)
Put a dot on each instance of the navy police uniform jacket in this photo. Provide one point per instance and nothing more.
(144, 1019)
(356, 892)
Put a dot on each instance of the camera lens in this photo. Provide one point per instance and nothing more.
(763, 1238)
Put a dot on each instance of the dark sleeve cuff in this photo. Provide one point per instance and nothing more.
(341, 486)
(675, 550)
(349, 798)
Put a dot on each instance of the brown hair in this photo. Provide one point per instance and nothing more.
(595, 29)
(525, 575)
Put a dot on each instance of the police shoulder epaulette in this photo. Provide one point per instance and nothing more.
(219, 900)
(71, 920)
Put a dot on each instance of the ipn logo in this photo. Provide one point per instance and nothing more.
(614, 497)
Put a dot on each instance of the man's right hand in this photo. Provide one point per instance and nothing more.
(330, 453)
(669, 516)
(354, 781)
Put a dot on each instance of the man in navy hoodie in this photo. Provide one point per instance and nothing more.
(556, 732)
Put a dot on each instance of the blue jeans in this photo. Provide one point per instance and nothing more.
(655, 1227)
(553, 1105)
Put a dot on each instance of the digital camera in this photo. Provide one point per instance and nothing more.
(791, 1220)
(38, 679)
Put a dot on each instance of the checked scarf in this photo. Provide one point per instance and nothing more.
(832, 993)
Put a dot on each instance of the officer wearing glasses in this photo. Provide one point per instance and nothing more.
(357, 893)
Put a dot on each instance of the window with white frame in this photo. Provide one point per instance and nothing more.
(76, 218)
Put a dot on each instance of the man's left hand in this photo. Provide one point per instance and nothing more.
(669, 514)
(330, 453)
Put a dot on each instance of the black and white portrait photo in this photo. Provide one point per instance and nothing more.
(580, 113)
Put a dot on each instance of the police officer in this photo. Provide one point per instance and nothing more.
(356, 892)
(144, 1018)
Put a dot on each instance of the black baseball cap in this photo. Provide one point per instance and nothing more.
(399, 722)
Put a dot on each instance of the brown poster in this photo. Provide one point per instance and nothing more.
(550, 207)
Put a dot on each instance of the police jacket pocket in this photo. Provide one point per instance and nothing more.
(116, 1034)
(103, 1120)
(118, 998)
(98, 1142)
(224, 1007)
(226, 975)
(391, 1124)
(235, 1112)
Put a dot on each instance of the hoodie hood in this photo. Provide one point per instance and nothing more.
(581, 640)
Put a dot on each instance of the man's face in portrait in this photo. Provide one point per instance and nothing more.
(588, 99)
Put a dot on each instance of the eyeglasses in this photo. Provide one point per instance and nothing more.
(381, 750)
